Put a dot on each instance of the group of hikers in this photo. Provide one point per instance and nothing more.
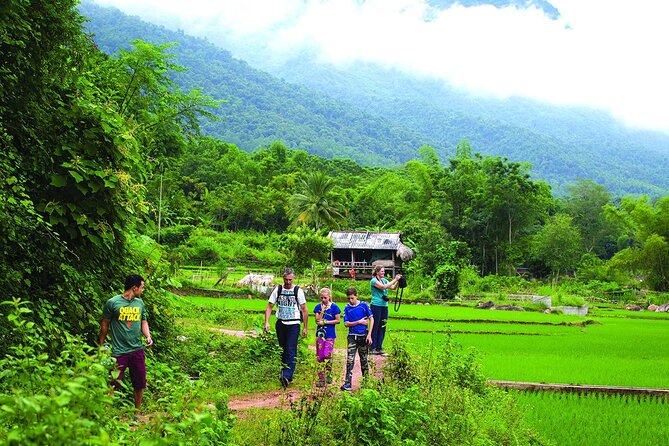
(366, 325)
(124, 317)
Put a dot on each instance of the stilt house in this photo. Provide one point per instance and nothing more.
(356, 253)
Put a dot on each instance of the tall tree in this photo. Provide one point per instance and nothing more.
(585, 202)
(304, 248)
(647, 228)
(78, 130)
(316, 203)
(558, 245)
(491, 203)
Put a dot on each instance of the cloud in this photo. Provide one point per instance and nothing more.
(597, 53)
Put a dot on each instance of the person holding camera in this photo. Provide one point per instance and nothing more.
(379, 305)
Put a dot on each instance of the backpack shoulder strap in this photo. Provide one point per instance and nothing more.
(297, 302)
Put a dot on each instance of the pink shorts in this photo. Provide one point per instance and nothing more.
(324, 348)
(136, 363)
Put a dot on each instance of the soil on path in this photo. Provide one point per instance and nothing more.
(282, 399)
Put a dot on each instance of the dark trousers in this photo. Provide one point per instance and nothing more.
(379, 328)
(356, 343)
(288, 336)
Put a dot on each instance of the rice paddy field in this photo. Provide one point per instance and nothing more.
(571, 419)
(608, 347)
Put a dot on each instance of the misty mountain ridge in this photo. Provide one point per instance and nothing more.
(382, 116)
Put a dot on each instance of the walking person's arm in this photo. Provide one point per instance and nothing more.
(370, 325)
(305, 319)
(147, 333)
(104, 328)
(268, 312)
(362, 321)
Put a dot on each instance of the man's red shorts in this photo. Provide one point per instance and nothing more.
(136, 363)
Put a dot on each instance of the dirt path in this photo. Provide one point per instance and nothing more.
(282, 399)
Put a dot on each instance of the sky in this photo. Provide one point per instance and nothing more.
(604, 54)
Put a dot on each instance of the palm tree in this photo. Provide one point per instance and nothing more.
(316, 204)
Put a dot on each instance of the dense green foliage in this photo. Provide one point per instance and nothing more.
(440, 398)
(80, 129)
(64, 399)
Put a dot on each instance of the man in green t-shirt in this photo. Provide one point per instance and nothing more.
(125, 316)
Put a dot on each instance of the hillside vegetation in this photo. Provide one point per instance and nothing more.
(260, 108)
(380, 117)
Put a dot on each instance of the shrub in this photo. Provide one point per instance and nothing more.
(52, 400)
(65, 399)
(226, 361)
(501, 284)
(441, 398)
(227, 248)
(446, 281)
(175, 235)
(569, 300)
(658, 299)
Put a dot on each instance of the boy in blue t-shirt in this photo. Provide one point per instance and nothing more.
(327, 316)
(360, 321)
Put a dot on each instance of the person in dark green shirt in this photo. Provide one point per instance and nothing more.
(125, 316)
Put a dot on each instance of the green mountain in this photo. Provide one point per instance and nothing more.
(261, 109)
(562, 143)
(381, 117)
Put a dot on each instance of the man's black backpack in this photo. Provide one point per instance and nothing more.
(295, 289)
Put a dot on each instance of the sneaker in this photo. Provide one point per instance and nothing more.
(374, 352)
(381, 352)
(346, 387)
(284, 381)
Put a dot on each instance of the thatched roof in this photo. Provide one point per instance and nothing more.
(386, 241)
(405, 253)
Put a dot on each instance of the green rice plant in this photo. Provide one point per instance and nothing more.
(623, 352)
(595, 419)
(482, 327)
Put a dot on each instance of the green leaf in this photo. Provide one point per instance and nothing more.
(58, 180)
(63, 399)
(77, 177)
(7, 408)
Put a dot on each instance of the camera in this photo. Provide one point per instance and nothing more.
(402, 283)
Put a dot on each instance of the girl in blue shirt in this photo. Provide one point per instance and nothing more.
(327, 316)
